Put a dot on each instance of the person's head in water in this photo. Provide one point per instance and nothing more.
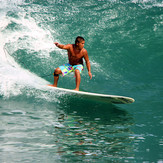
(79, 42)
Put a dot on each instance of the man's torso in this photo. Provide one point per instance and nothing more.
(75, 56)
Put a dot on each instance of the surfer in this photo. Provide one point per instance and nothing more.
(76, 53)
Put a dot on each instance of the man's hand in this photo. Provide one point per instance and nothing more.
(90, 75)
(56, 43)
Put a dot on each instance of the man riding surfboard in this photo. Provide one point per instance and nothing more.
(76, 53)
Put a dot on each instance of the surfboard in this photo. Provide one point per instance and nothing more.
(96, 96)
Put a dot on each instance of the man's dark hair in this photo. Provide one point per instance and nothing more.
(79, 39)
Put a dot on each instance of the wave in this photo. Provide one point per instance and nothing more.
(115, 31)
(14, 79)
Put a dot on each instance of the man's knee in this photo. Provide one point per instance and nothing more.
(77, 72)
(57, 71)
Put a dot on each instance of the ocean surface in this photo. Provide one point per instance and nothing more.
(124, 40)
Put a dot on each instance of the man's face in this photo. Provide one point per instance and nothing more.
(81, 45)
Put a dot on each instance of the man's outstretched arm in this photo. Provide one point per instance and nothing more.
(61, 46)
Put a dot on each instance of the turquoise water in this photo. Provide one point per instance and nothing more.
(124, 43)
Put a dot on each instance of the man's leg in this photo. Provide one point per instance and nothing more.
(78, 79)
(56, 76)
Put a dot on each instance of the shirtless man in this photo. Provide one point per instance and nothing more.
(76, 53)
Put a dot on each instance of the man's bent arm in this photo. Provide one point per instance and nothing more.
(88, 65)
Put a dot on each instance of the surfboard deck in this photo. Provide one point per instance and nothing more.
(96, 96)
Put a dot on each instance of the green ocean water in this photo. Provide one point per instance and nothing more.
(124, 40)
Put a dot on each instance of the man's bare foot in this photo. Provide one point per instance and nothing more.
(51, 85)
(76, 89)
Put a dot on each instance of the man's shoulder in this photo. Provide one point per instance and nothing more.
(84, 51)
(71, 45)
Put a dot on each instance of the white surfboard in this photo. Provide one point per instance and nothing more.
(96, 96)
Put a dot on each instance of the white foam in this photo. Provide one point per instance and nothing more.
(15, 80)
(33, 37)
(148, 3)
(10, 4)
